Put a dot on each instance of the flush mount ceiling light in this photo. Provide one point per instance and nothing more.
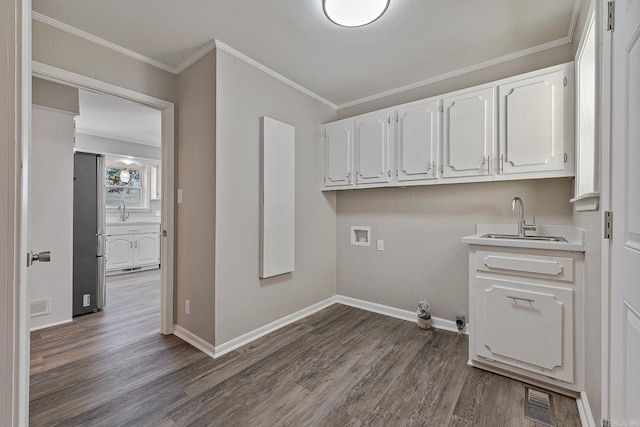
(354, 13)
(124, 175)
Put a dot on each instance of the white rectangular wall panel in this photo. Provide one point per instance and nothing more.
(277, 207)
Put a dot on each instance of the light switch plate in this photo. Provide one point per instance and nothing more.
(381, 245)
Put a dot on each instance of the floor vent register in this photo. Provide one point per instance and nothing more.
(538, 406)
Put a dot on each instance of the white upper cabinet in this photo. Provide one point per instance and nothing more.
(417, 141)
(372, 148)
(468, 135)
(338, 142)
(533, 132)
(520, 127)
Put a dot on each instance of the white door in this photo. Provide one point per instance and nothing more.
(417, 142)
(144, 249)
(372, 148)
(624, 352)
(338, 140)
(468, 133)
(50, 219)
(532, 128)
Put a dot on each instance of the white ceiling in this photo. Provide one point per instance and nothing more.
(416, 40)
(117, 118)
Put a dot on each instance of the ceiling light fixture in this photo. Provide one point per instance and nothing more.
(354, 13)
(125, 176)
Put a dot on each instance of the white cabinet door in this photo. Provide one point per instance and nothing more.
(145, 249)
(372, 148)
(527, 326)
(338, 141)
(119, 251)
(532, 124)
(417, 142)
(468, 133)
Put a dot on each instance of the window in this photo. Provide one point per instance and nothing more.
(134, 193)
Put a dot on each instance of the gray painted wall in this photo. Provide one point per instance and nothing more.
(422, 228)
(60, 49)
(54, 95)
(243, 301)
(196, 215)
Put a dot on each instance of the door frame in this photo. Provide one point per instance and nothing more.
(167, 109)
(603, 123)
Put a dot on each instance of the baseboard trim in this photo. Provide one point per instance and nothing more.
(194, 340)
(238, 342)
(235, 343)
(436, 322)
(584, 409)
(63, 322)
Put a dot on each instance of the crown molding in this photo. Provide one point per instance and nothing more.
(102, 42)
(269, 71)
(196, 56)
(459, 72)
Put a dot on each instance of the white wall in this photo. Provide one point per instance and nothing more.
(51, 213)
(243, 301)
(422, 228)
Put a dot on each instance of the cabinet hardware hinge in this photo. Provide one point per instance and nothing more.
(611, 8)
(565, 81)
(608, 219)
(566, 157)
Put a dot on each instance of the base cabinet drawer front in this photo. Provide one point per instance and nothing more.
(526, 326)
(547, 267)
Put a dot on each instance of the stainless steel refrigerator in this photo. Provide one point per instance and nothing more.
(89, 290)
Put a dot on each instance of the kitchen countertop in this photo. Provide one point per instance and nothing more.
(133, 222)
(573, 235)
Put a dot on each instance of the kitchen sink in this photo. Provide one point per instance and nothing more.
(516, 237)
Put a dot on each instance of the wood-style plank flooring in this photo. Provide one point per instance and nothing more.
(339, 367)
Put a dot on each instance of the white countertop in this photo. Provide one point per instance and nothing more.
(133, 222)
(574, 237)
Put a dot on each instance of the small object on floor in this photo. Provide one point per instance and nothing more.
(460, 322)
(424, 315)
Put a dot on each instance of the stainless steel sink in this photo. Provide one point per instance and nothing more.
(516, 237)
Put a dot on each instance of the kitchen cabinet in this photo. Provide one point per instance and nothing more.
(526, 311)
(371, 147)
(132, 247)
(534, 129)
(416, 138)
(469, 133)
(337, 151)
(515, 128)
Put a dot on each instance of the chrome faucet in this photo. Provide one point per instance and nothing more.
(123, 214)
(522, 223)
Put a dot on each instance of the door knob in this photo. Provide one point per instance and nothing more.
(42, 257)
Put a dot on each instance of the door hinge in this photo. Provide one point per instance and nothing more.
(608, 219)
(565, 81)
(611, 8)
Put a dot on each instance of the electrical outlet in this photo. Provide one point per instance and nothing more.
(381, 245)
(86, 300)
(187, 306)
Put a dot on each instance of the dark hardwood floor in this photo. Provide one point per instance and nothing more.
(339, 367)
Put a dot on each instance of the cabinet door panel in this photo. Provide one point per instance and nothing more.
(529, 327)
(469, 122)
(119, 252)
(337, 151)
(372, 149)
(417, 142)
(532, 124)
(145, 249)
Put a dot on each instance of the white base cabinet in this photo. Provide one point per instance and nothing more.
(526, 311)
(132, 247)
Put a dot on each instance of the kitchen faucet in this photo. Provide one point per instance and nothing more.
(522, 223)
(123, 215)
